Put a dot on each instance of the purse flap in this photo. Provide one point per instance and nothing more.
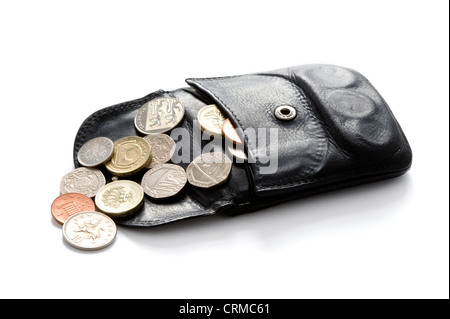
(342, 124)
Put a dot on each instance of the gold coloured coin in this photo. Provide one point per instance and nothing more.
(120, 198)
(211, 120)
(131, 154)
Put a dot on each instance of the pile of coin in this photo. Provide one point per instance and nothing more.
(88, 204)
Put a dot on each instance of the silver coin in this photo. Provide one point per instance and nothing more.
(159, 115)
(163, 147)
(209, 170)
(95, 152)
(164, 180)
(86, 181)
(89, 231)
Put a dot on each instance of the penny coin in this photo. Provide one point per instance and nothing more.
(230, 132)
(159, 115)
(95, 152)
(86, 181)
(121, 198)
(163, 147)
(164, 180)
(211, 120)
(131, 154)
(238, 153)
(69, 204)
(89, 231)
(209, 170)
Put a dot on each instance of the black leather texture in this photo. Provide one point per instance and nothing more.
(344, 134)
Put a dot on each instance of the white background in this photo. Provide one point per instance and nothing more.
(61, 61)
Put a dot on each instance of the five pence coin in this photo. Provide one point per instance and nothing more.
(95, 152)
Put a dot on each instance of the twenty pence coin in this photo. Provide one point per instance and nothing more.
(163, 148)
(86, 181)
(95, 152)
(131, 154)
(120, 198)
(164, 180)
(159, 115)
(209, 170)
(70, 204)
(89, 231)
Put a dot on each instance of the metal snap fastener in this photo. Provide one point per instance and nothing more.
(285, 112)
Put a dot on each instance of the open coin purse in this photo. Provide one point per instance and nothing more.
(305, 129)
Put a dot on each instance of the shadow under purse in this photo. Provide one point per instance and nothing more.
(305, 130)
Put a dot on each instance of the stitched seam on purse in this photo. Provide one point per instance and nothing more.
(350, 173)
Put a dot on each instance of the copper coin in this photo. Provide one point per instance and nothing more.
(70, 204)
(230, 132)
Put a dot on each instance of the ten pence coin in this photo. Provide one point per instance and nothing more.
(89, 231)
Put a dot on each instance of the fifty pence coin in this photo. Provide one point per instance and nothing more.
(159, 115)
(121, 198)
(95, 152)
(230, 132)
(209, 170)
(163, 148)
(164, 180)
(131, 154)
(69, 204)
(86, 181)
(89, 231)
(211, 120)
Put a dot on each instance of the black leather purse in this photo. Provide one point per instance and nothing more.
(341, 133)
